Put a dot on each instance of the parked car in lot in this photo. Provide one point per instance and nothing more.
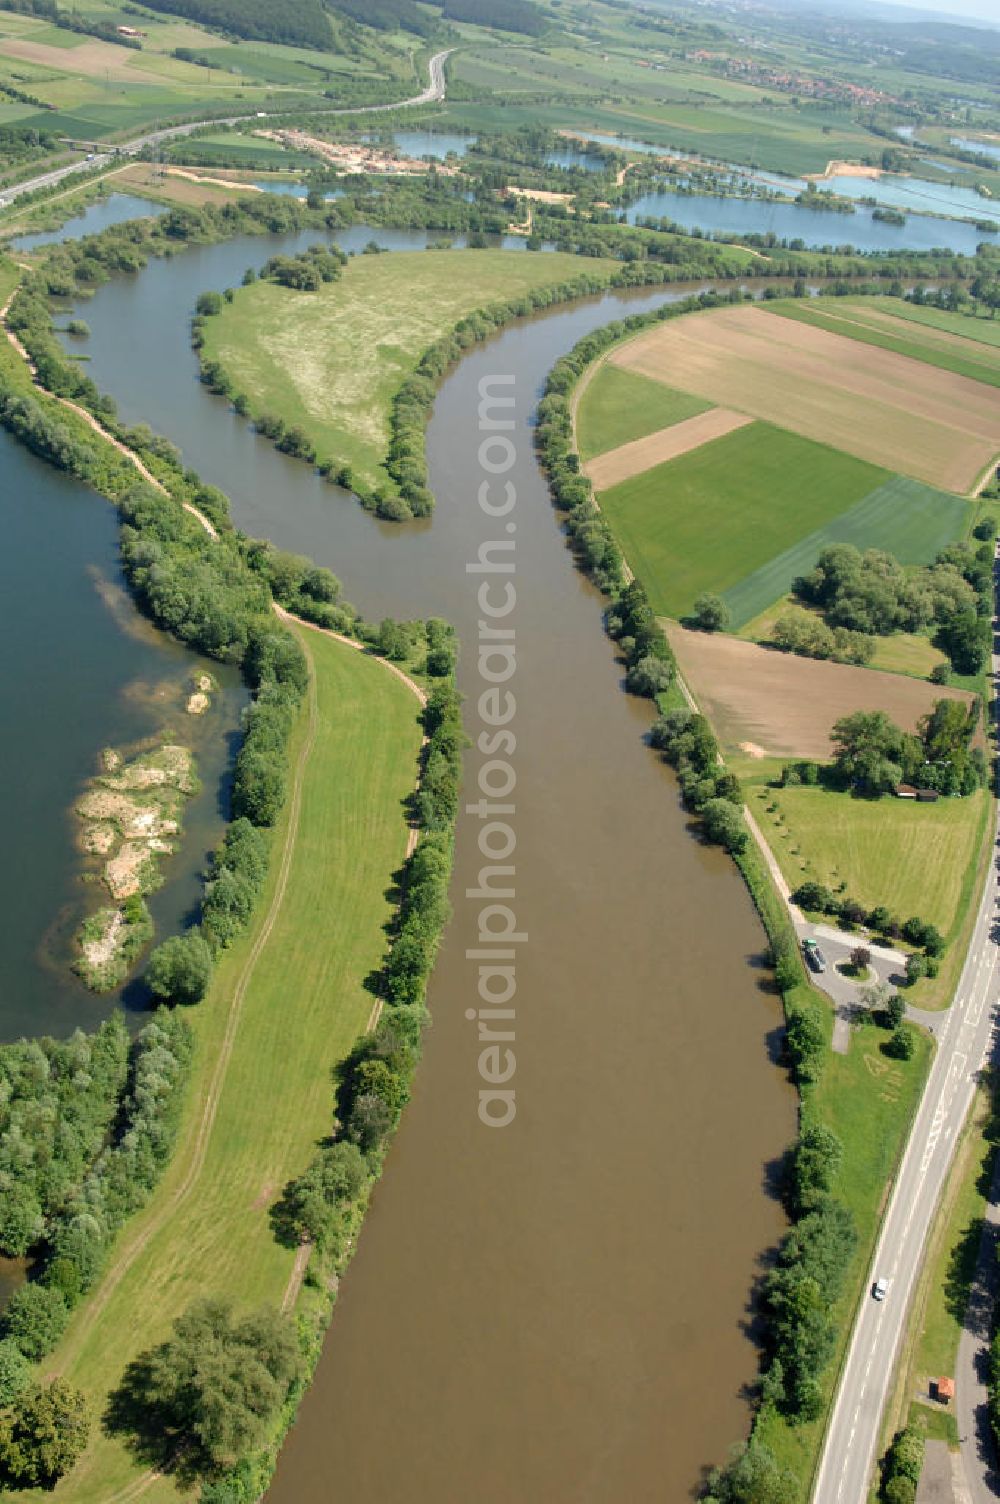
(880, 1289)
(814, 956)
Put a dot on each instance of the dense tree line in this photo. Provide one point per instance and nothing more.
(58, 1101)
(386, 15)
(873, 756)
(23, 143)
(302, 23)
(94, 1189)
(805, 633)
(799, 1297)
(505, 15)
(864, 595)
(817, 898)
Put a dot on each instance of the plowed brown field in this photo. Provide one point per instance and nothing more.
(910, 417)
(787, 705)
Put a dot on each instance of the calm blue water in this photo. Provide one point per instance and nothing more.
(899, 192)
(917, 193)
(816, 227)
(430, 143)
(114, 210)
(575, 158)
(296, 190)
(81, 671)
(981, 146)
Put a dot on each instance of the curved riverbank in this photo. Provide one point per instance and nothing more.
(650, 933)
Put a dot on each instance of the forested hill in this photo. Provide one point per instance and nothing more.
(388, 15)
(304, 23)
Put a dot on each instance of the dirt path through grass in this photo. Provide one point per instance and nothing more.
(131, 1252)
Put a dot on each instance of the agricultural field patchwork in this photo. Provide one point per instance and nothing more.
(665, 444)
(779, 705)
(714, 516)
(903, 517)
(618, 406)
(950, 348)
(876, 404)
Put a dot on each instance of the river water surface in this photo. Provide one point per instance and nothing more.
(555, 1311)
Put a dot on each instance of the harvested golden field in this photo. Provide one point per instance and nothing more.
(783, 705)
(884, 407)
(642, 454)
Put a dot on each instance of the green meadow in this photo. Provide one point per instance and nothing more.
(708, 519)
(618, 406)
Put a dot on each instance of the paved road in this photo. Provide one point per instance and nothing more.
(433, 94)
(963, 1043)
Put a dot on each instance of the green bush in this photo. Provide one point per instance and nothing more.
(35, 1319)
(180, 969)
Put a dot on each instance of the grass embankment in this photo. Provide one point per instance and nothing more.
(331, 362)
(285, 1005)
(618, 406)
(952, 343)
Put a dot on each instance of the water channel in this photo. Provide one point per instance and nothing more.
(538, 1312)
(81, 671)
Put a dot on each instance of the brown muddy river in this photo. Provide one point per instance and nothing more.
(556, 1310)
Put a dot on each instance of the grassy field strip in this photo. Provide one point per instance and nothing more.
(131, 1251)
(906, 342)
(613, 407)
(979, 329)
(708, 519)
(904, 516)
(284, 1007)
(665, 444)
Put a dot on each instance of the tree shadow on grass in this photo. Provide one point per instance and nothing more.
(149, 1429)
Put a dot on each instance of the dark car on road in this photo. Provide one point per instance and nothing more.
(814, 955)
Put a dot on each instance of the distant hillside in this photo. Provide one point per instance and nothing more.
(508, 15)
(303, 23)
(391, 15)
(386, 15)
